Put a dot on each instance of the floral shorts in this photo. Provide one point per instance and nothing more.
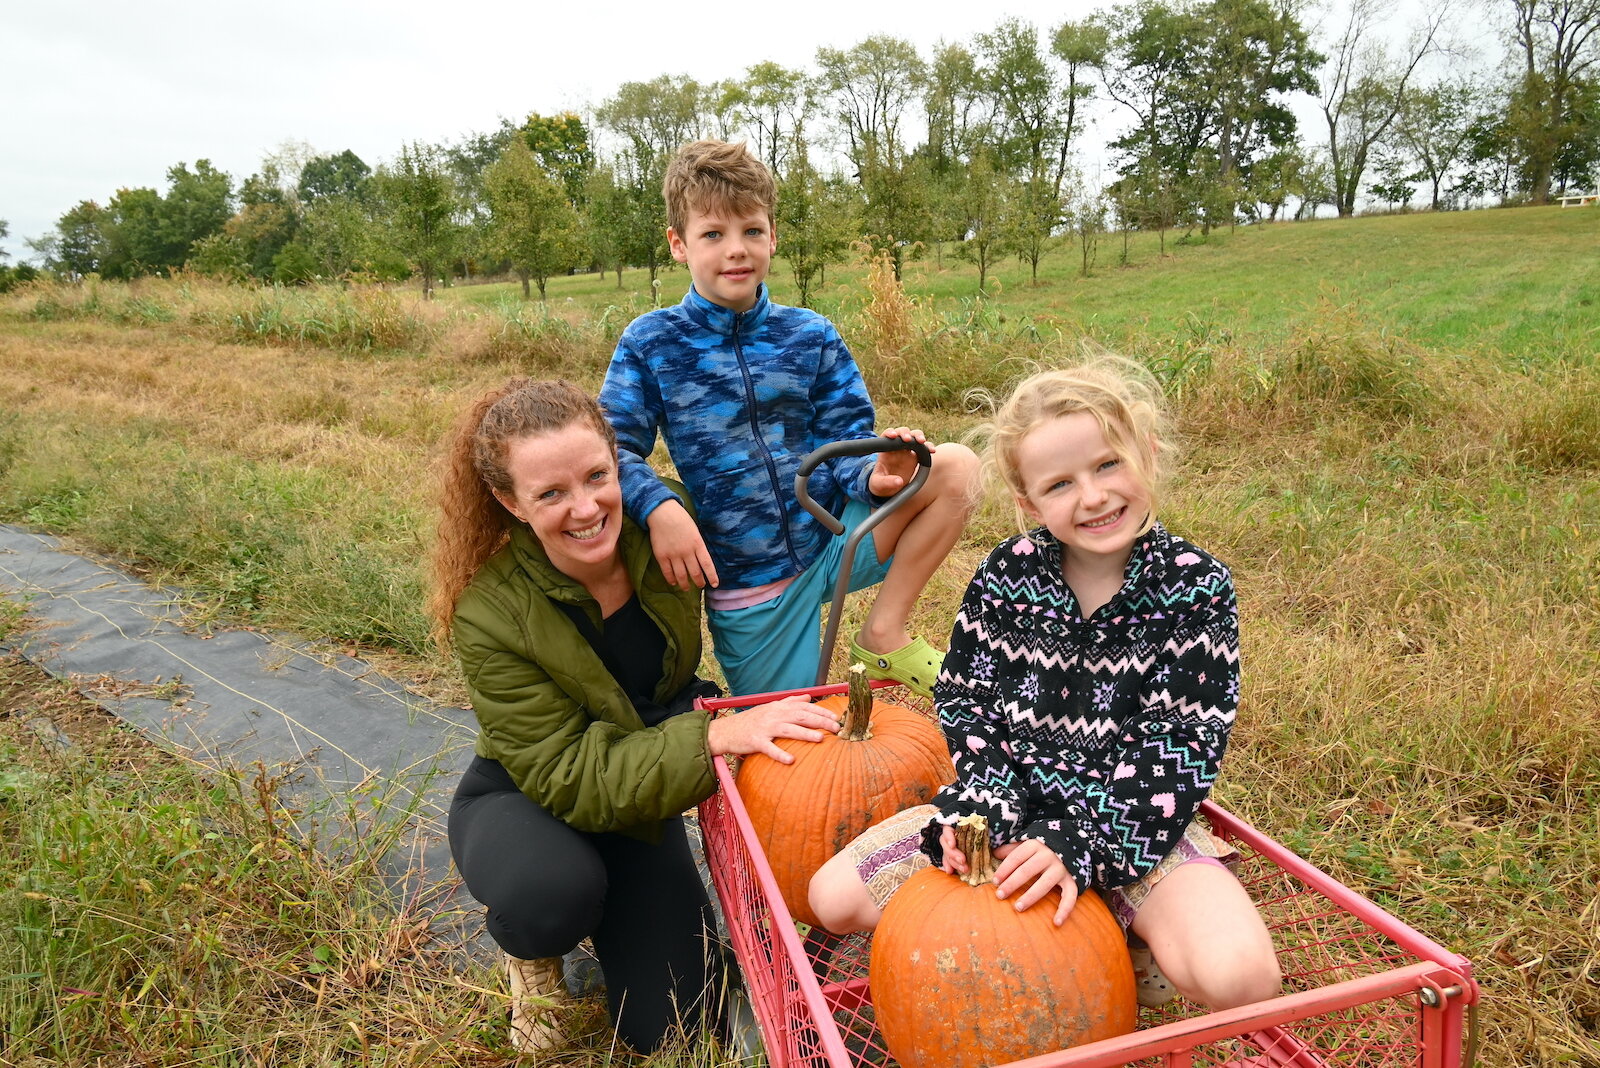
(886, 854)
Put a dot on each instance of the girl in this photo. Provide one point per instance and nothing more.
(1086, 698)
(580, 658)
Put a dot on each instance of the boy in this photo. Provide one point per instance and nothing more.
(742, 389)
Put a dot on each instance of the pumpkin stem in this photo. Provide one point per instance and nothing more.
(972, 838)
(857, 723)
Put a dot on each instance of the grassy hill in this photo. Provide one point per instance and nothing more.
(1524, 281)
(1393, 437)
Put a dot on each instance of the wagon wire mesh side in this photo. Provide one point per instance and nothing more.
(1360, 988)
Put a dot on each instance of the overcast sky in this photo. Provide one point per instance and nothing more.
(107, 94)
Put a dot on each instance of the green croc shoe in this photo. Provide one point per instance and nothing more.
(915, 664)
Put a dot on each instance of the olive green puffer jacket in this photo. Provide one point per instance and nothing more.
(550, 712)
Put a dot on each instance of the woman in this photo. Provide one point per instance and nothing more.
(580, 658)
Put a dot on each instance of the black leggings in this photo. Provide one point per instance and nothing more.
(548, 886)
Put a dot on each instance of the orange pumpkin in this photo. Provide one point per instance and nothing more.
(961, 979)
(884, 759)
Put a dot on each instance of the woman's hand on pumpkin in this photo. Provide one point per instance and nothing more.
(756, 729)
(1033, 869)
(679, 548)
(894, 469)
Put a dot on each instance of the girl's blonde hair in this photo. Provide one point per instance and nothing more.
(473, 523)
(1124, 398)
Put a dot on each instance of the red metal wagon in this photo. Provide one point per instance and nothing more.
(1360, 986)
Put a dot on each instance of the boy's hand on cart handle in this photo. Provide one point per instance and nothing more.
(679, 548)
(756, 729)
(1030, 861)
(955, 861)
(894, 469)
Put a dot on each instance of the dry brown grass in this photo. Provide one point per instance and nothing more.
(1415, 537)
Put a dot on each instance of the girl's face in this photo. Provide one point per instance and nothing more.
(1078, 487)
(564, 486)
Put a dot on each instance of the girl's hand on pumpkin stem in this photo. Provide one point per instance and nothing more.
(1031, 861)
(955, 861)
(679, 548)
(894, 469)
(755, 729)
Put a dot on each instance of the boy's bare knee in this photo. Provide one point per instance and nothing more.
(957, 464)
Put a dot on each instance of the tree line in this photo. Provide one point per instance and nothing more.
(975, 145)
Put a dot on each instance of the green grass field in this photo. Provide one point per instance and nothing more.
(1514, 281)
(1393, 437)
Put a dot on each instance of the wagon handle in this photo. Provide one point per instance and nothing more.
(856, 447)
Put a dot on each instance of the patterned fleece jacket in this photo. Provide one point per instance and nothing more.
(1101, 736)
(741, 398)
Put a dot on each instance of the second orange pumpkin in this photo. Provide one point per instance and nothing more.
(884, 759)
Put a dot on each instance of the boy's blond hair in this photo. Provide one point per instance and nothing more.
(1124, 398)
(709, 175)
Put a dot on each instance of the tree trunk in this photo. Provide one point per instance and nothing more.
(524, 276)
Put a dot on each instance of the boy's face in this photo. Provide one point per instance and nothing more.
(728, 252)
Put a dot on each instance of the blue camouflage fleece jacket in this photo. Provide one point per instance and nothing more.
(741, 398)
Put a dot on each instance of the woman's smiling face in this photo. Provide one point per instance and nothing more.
(564, 486)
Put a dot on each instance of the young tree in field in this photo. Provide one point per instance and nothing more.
(198, 204)
(653, 119)
(467, 161)
(419, 205)
(146, 232)
(816, 220)
(872, 87)
(1363, 88)
(954, 101)
(956, 105)
(82, 240)
(625, 226)
(135, 242)
(1558, 51)
(532, 223)
(985, 201)
(562, 146)
(1396, 180)
(1315, 186)
(1086, 221)
(1033, 214)
(721, 108)
(219, 256)
(1273, 179)
(1435, 127)
(339, 236)
(1081, 47)
(775, 104)
(268, 216)
(1148, 70)
(1207, 85)
(605, 220)
(325, 177)
(1258, 54)
(11, 277)
(1026, 104)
